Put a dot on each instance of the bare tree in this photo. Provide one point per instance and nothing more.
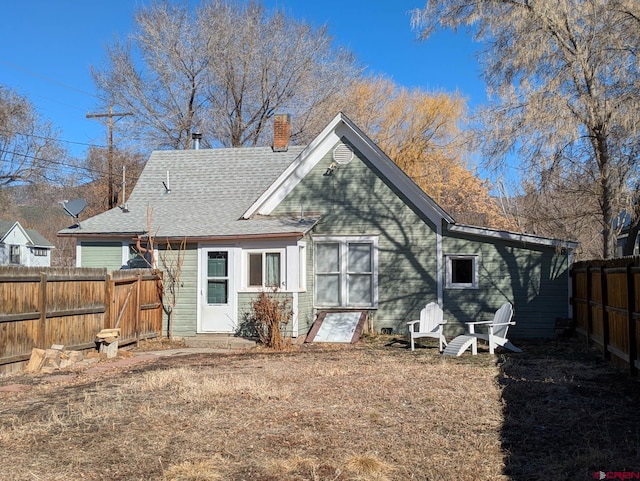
(561, 211)
(158, 74)
(169, 262)
(223, 70)
(95, 179)
(563, 76)
(29, 149)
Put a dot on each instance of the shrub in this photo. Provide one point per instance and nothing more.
(270, 315)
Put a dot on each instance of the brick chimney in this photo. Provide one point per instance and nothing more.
(281, 132)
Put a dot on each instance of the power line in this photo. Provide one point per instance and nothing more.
(54, 139)
(53, 162)
(48, 79)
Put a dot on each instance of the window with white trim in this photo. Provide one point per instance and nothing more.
(346, 272)
(39, 251)
(462, 271)
(14, 254)
(265, 269)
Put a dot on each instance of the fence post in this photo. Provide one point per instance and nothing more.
(573, 283)
(589, 306)
(605, 313)
(631, 308)
(138, 283)
(42, 328)
(109, 302)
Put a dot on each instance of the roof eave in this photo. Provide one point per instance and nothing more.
(512, 236)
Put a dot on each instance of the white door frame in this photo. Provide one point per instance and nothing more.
(233, 274)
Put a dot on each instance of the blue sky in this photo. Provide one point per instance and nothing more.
(47, 48)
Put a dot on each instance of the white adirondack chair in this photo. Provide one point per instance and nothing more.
(496, 330)
(429, 325)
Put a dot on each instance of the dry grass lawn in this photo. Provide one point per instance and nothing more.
(374, 411)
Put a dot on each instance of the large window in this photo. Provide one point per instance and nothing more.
(346, 272)
(462, 271)
(14, 254)
(264, 269)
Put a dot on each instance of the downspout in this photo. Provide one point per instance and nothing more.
(439, 264)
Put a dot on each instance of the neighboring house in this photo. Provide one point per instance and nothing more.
(23, 247)
(623, 224)
(336, 225)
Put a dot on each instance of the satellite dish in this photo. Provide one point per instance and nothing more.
(74, 207)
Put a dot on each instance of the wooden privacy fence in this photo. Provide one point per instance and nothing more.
(606, 298)
(40, 307)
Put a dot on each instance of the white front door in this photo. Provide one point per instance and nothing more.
(217, 291)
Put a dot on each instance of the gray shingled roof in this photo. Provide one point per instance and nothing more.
(38, 239)
(210, 190)
(5, 225)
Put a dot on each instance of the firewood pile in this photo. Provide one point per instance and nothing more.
(53, 359)
(57, 357)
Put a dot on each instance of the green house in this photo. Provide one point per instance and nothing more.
(336, 226)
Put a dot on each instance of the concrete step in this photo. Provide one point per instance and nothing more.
(219, 341)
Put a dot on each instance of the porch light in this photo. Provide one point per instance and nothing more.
(331, 169)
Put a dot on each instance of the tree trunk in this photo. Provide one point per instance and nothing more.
(607, 192)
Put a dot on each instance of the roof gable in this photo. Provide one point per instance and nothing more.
(31, 237)
(15, 226)
(342, 127)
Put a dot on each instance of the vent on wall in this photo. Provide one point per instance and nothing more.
(342, 154)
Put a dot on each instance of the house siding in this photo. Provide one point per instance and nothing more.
(39, 261)
(244, 305)
(186, 309)
(356, 201)
(533, 279)
(101, 254)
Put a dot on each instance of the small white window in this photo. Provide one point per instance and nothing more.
(462, 271)
(39, 252)
(264, 269)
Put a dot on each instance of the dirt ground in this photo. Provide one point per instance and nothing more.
(373, 411)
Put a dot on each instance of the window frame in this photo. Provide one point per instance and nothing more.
(40, 251)
(344, 273)
(15, 252)
(247, 268)
(216, 278)
(475, 262)
(134, 254)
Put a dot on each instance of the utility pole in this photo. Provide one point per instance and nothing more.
(110, 115)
